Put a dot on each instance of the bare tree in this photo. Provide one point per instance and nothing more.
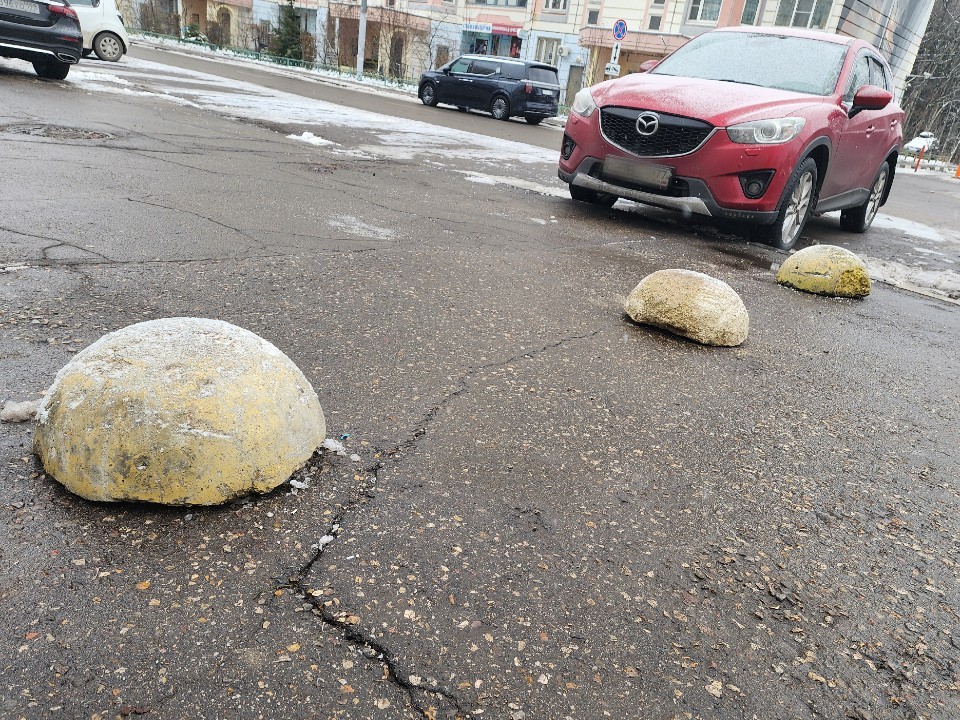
(932, 97)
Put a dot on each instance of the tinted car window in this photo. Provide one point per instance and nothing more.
(513, 71)
(544, 75)
(878, 75)
(859, 78)
(460, 66)
(483, 67)
(774, 61)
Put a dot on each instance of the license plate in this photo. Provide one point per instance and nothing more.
(21, 5)
(635, 171)
(548, 93)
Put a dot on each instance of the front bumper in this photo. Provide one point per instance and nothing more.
(705, 181)
(699, 200)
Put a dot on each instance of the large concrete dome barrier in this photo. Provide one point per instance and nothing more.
(180, 411)
(826, 270)
(690, 304)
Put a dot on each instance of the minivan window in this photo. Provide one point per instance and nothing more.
(512, 71)
(543, 75)
(460, 65)
(483, 67)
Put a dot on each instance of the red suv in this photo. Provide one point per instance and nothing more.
(763, 126)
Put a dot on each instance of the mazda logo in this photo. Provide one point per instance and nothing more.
(647, 123)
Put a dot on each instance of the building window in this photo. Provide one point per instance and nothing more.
(654, 22)
(555, 5)
(593, 17)
(548, 50)
(749, 16)
(657, 2)
(804, 13)
(705, 10)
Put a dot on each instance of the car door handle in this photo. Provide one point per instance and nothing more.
(870, 130)
(465, 80)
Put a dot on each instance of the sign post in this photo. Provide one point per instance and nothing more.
(619, 33)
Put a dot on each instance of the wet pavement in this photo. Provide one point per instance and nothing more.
(556, 513)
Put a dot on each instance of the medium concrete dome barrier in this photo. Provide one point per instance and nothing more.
(826, 270)
(690, 304)
(179, 411)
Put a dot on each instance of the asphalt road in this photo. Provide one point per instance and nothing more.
(557, 513)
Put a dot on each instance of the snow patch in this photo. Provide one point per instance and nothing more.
(942, 282)
(354, 226)
(20, 412)
(908, 227)
(309, 137)
(334, 446)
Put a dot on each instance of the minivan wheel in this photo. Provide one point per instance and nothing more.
(86, 53)
(51, 69)
(593, 197)
(428, 94)
(108, 47)
(859, 219)
(500, 108)
(533, 119)
(799, 200)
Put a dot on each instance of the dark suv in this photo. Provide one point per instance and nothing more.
(503, 86)
(43, 32)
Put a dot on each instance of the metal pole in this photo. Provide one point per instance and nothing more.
(361, 38)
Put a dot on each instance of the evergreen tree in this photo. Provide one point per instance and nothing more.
(286, 40)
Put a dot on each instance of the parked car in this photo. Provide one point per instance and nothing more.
(103, 31)
(924, 141)
(505, 87)
(43, 32)
(765, 126)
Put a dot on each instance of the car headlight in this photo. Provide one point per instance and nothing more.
(766, 132)
(583, 103)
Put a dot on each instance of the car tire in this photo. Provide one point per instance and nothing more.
(428, 94)
(108, 47)
(859, 219)
(796, 206)
(500, 107)
(51, 69)
(533, 119)
(593, 197)
(86, 53)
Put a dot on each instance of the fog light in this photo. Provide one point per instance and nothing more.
(754, 184)
(566, 150)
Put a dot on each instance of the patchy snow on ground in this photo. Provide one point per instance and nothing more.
(945, 283)
(907, 227)
(354, 226)
(309, 137)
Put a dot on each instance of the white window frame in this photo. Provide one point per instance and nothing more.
(696, 12)
(810, 14)
(548, 50)
(555, 5)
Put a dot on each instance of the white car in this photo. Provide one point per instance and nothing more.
(924, 141)
(102, 26)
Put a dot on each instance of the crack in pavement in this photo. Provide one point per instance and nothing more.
(369, 646)
(240, 232)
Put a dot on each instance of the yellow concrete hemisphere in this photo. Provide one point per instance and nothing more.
(826, 270)
(690, 304)
(179, 411)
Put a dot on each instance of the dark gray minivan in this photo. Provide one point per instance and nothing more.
(505, 87)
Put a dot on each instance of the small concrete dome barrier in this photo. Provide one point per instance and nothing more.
(691, 304)
(179, 411)
(826, 270)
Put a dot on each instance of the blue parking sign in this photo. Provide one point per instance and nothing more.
(620, 29)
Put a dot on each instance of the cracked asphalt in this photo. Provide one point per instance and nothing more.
(556, 513)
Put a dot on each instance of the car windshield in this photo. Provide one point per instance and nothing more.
(798, 64)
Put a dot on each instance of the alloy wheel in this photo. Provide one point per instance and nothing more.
(797, 209)
(876, 195)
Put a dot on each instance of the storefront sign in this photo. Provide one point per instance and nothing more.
(475, 27)
(505, 29)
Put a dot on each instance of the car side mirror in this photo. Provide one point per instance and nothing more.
(870, 97)
(446, 71)
(648, 65)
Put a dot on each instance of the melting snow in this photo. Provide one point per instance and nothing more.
(309, 137)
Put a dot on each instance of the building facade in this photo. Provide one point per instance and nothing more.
(405, 37)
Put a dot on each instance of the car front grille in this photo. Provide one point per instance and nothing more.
(675, 135)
